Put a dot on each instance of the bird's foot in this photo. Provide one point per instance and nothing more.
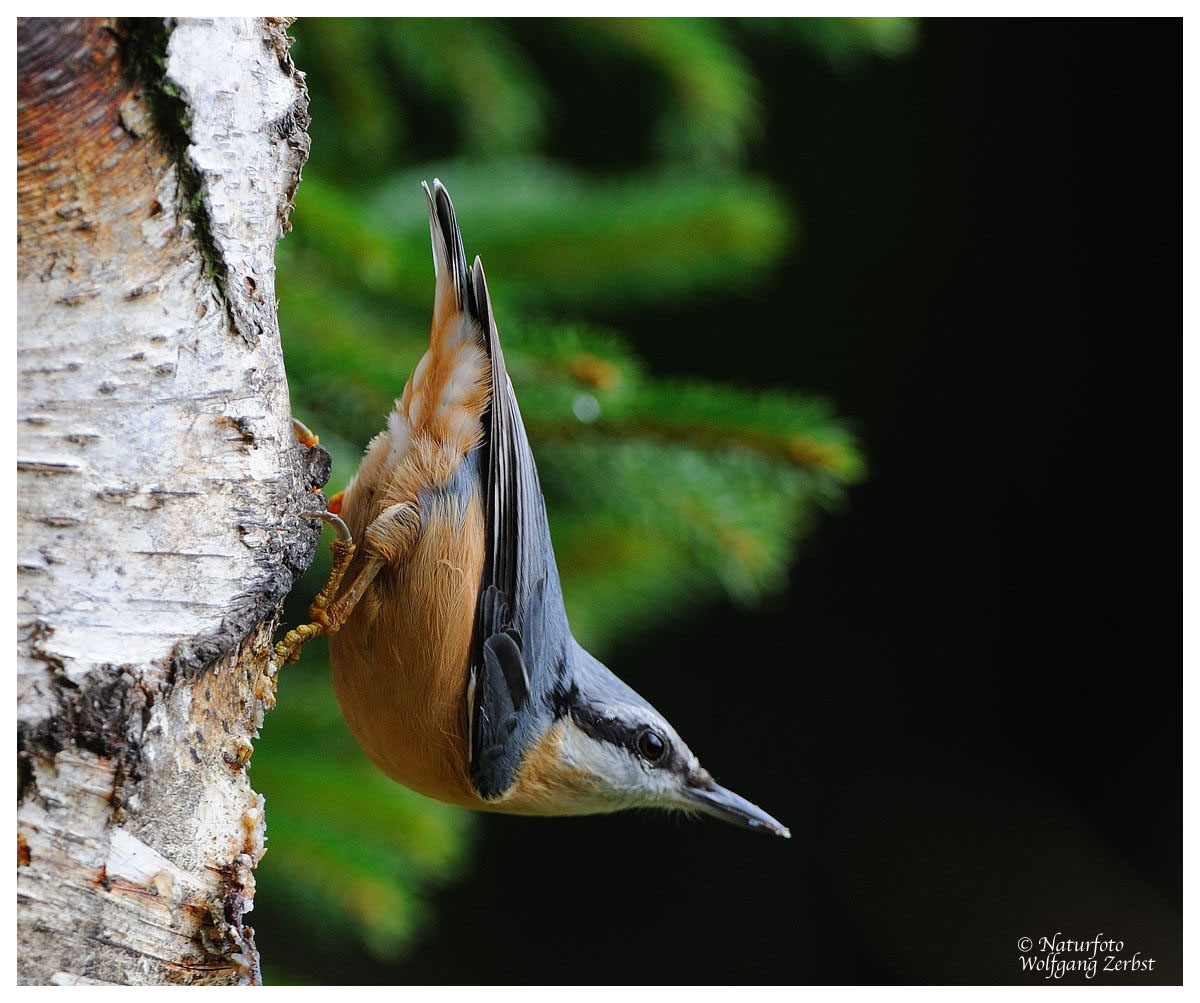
(287, 651)
(305, 435)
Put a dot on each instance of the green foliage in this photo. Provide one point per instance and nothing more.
(479, 78)
(557, 237)
(844, 42)
(344, 841)
(713, 108)
(663, 494)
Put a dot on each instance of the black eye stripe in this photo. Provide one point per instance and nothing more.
(601, 728)
(639, 740)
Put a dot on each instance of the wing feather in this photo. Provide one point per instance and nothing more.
(520, 638)
(520, 596)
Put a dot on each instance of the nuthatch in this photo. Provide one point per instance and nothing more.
(452, 658)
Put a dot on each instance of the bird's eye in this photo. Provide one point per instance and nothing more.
(651, 746)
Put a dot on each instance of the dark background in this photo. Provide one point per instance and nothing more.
(968, 705)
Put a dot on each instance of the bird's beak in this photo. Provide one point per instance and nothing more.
(706, 795)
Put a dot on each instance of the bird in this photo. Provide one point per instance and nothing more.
(453, 661)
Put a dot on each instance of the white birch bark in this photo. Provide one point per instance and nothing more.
(159, 488)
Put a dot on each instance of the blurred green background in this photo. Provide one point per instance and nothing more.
(735, 263)
(664, 492)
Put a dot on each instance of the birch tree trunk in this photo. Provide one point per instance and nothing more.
(160, 487)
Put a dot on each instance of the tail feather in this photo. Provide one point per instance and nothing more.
(449, 257)
(447, 392)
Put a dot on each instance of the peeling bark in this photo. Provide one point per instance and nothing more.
(160, 487)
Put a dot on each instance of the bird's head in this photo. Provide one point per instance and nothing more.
(611, 750)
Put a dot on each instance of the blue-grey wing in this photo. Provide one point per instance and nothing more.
(521, 634)
(521, 639)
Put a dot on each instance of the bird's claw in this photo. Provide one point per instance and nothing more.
(305, 435)
(287, 651)
(334, 520)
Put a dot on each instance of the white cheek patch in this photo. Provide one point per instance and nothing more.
(619, 779)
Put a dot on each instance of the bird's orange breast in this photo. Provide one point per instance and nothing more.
(401, 661)
(400, 664)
